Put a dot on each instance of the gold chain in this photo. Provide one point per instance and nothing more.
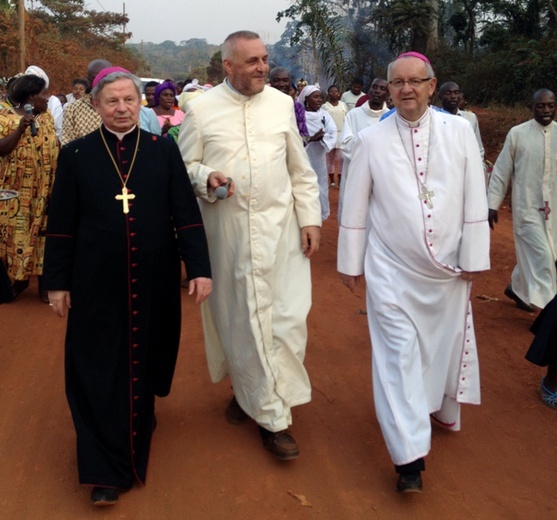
(114, 161)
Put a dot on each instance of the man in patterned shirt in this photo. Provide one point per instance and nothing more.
(80, 117)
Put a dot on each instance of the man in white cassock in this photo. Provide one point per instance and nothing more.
(416, 179)
(529, 160)
(260, 239)
(357, 119)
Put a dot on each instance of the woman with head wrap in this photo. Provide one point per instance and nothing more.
(191, 90)
(168, 116)
(28, 158)
(323, 137)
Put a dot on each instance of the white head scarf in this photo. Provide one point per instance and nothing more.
(37, 71)
(306, 92)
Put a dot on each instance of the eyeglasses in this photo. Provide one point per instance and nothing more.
(413, 82)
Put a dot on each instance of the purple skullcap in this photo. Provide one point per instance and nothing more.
(105, 72)
(163, 86)
(414, 54)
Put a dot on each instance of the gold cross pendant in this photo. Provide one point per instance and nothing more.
(124, 198)
(427, 196)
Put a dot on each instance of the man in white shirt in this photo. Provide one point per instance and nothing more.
(350, 97)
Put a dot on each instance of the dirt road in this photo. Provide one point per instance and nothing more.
(500, 466)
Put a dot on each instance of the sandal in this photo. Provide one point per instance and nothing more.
(549, 398)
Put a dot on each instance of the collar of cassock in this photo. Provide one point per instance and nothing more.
(413, 124)
(120, 135)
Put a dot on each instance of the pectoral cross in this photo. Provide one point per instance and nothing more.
(427, 196)
(124, 198)
(546, 210)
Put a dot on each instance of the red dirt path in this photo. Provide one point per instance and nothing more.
(502, 465)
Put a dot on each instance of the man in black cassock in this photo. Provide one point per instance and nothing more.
(122, 214)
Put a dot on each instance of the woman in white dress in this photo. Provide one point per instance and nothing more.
(322, 139)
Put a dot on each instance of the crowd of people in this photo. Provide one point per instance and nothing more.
(233, 182)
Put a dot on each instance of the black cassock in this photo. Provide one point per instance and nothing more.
(123, 274)
(543, 350)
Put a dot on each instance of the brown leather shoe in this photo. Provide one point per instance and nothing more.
(282, 444)
(234, 413)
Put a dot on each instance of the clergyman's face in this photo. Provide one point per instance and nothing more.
(119, 104)
(248, 66)
(378, 93)
(411, 102)
(544, 107)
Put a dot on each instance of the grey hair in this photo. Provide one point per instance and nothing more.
(111, 78)
(229, 44)
(428, 68)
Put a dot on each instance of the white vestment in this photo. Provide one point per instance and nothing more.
(255, 320)
(473, 120)
(358, 119)
(317, 153)
(419, 313)
(528, 159)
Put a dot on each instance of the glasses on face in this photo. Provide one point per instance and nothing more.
(412, 82)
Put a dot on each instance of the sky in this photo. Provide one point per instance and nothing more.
(178, 20)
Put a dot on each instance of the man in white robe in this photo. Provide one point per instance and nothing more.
(416, 180)
(449, 94)
(529, 160)
(361, 117)
(260, 239)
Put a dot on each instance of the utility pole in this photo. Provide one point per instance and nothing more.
(21, 18)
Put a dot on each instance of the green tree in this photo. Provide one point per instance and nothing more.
(215, 73)
(317, 21)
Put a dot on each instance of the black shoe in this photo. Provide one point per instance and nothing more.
(234, 413)
(523, 306)
(102, 496)
(409, 482)
(282, 444)
(18, 287)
